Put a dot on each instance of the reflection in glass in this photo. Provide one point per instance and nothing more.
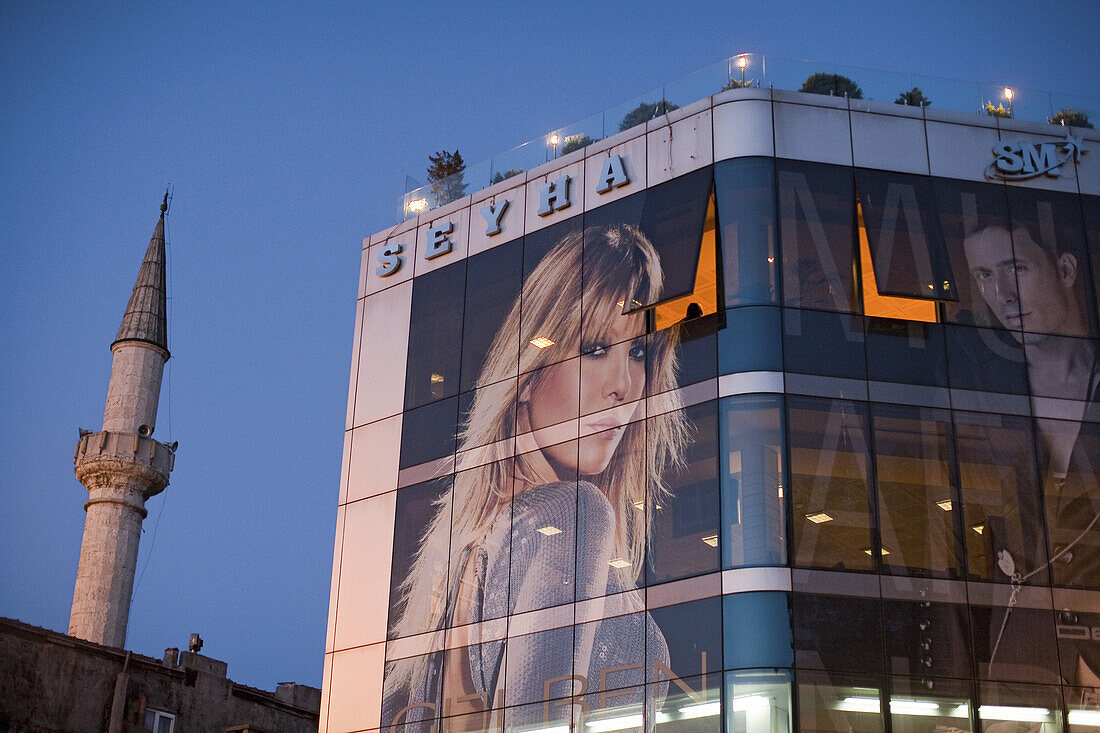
(684, 526)
(913, 463)
(998, 480)
(411, 708)
(429, 433)
(746, 209)
(836, 704)
(752, 474)
(830, 457)
(816, 215)
(758, 702)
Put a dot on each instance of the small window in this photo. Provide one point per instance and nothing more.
(159, 721)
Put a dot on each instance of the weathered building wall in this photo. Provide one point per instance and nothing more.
(52, 682)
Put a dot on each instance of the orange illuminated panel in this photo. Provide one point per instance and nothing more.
(705, 294)
(887, 306)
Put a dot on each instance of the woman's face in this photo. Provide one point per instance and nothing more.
(603, 386)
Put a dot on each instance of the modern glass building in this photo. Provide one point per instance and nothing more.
(776, 413)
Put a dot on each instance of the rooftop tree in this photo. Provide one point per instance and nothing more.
(645, 112)
(445, 176)
(831, 84)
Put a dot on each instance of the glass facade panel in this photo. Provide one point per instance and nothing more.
(553, 486)
(999, 485)
(914, 468)
(907, 247)
(930, 705)
(837, 633)
(839, 704)
(757, 630)
(830, 468)
(684, 520)
(1070, 466)
(435, 336)
(926, 638)
(493, 281)
(692, 635)
(418, 575)
(1079, 649)
(906, 351)
(758, 702)
(1082, 709)
(984, 359)
(807, 335)
(965, 208)
(1014, 644)
(692, 705)
(816, 228)
(1017, 707)
(752, 475)
(1051, 262)
(751, 341)
(745, 190)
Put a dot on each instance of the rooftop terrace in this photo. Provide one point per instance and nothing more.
(767, 72)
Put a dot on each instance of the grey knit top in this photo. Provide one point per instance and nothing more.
(517, 568)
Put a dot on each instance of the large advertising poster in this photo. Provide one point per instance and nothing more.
(543, 436)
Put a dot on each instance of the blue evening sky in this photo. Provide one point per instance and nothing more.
(286, 131)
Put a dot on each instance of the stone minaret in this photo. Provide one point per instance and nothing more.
(122, 466)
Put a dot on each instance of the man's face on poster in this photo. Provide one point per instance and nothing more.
(1025, 286)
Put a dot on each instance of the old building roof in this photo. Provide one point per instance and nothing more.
(146, 317)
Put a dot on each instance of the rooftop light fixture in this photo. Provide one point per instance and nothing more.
(418, 205)
(819, 517)
(742, 62)
(541, 342)
(1009, 94)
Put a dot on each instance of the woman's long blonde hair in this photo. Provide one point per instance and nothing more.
(616, 264)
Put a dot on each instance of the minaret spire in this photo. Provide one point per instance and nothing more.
(122, 465)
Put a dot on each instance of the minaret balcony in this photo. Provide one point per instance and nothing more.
(148, 460)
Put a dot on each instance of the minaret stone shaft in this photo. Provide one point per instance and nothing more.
(122, 465)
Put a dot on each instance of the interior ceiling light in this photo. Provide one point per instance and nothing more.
(711, 539)
(944, 504)
(619, 563)
(868, 551)
(437, 378)
(979, 528)
(541, 342)
(819, 517)
(549, 530)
